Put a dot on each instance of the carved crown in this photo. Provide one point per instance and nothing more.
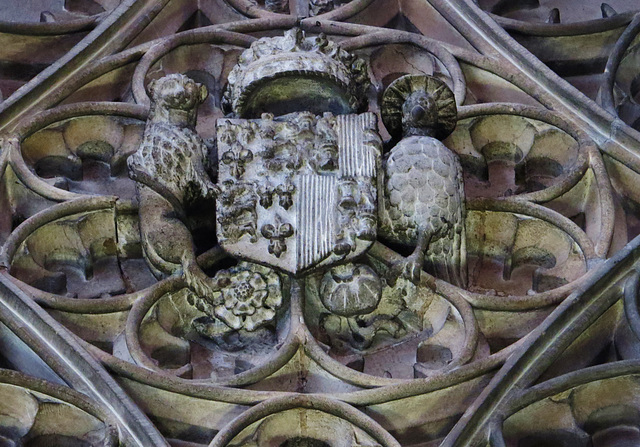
(295, 73)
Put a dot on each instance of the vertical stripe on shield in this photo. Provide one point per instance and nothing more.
(316, 210)
(356, 158)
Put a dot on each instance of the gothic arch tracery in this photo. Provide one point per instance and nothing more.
(523, 328)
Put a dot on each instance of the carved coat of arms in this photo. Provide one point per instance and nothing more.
(298, 191)
(301, 185)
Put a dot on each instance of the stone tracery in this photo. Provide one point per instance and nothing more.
(550, 195)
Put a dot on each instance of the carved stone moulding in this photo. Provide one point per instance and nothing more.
(307, 420)
(321, 9)
(177, 54)
(531, 255)
(67, 152)
(49, 34)
(510, 152)
(561, 23)
(412, 331)
(523, 259)
(557, 16)
(157, 343)
(410, 56)
(166, 333)
(69, 14)
(154, 327)
(418, 56)
(516, 230)
(578, 399)
(82, 259)
(599, 406)
(207, 58)
(552, 31)
(493, 147)
(207, 54)
(83, 151)
(37, 412)
(627, 337)
(619, 94)
(396, 362)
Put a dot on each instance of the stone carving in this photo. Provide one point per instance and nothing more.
(245, 297)
(172, 157)
(307, 197)
(312, 74)
(316, 7)
(303, 427)
(350, 290)
(39, 412)
(277, 235)
(423, 194)
(359, 310)
(237, 160)
(279, 6)
(356, 216)
(237, 210)
(542, 214)
(170, 168)
(298, 192)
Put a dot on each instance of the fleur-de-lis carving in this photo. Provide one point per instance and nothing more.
(237, 161)
(285, 193)
(276, 237)
(265, 193)
(227, 135)
(347, 195)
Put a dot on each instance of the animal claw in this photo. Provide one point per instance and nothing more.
(409, 268)
(198, 281)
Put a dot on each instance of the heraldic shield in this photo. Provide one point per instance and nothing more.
(298, 191)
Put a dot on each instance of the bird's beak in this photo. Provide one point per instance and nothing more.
(417, 113)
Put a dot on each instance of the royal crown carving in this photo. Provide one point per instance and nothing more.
(276, 72)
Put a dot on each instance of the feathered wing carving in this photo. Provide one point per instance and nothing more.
(446, 254)
(423, 197)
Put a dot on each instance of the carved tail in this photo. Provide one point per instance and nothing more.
(461, 278)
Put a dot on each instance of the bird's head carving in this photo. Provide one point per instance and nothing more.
(419, 105)
(420, 111)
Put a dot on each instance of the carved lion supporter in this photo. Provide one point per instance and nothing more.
(175, 193)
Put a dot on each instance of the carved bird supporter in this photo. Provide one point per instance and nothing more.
(422, 191)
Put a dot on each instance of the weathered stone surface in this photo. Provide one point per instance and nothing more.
(357, 222)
